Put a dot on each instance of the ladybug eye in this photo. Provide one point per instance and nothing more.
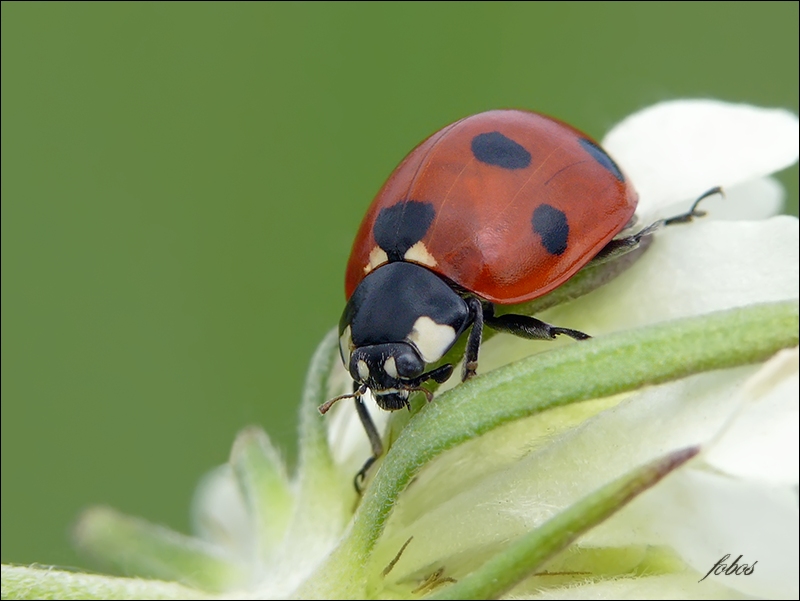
(409, 365)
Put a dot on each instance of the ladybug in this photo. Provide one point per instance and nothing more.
(498, 208)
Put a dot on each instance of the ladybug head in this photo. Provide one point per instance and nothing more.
(389, 370)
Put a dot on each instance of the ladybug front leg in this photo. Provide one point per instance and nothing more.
(621, 246)
(374, 441)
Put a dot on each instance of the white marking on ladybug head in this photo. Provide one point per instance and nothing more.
(432, 339)
(390, 367)
(402, 393)
(363, 370)
(377, 257)
(346, 346)
(419, 254)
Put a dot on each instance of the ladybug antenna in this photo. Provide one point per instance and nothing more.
(325, 407)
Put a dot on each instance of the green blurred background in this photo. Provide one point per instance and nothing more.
(181, 184)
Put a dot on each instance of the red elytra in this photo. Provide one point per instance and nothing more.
(483, 235)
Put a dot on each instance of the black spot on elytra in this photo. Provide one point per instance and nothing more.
(551, 224)
(401, 226)
(493, 148)
(600, 155)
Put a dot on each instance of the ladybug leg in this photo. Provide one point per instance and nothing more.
(474, 340)
(527, 327)
(374, 441)
(621, 246)
(693, 212)
(519, 325)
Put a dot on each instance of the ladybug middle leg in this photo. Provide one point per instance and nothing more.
(519, 325)
(621, 246)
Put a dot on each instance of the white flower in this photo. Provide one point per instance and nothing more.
(527, 463)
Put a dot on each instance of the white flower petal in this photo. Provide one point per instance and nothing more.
(219, 513)
(679, 149)
(705, 516)
(761, 442)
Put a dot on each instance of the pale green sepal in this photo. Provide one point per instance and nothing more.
(261, 476)
(325, 496)
(139, 548)
(526, 555)
(315, 459)
(19, 582)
